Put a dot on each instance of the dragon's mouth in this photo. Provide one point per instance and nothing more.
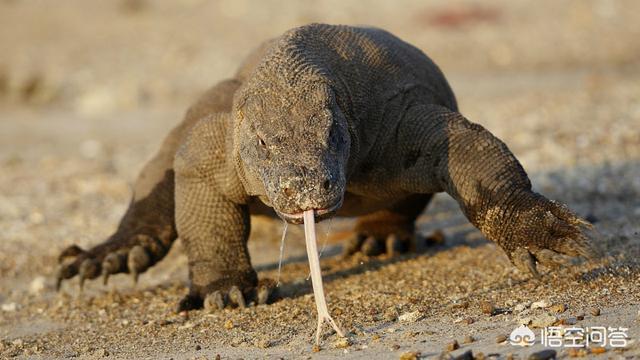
(320, 214)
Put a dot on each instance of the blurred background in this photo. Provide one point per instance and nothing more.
(88, 90)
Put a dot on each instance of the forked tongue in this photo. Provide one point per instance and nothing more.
(316, 275)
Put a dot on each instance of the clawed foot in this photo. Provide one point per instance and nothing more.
(391, 245)
(134, 256)
(373, 245)
(232, 296)
(548, 233)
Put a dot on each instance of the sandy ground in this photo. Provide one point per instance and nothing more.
(89, 89)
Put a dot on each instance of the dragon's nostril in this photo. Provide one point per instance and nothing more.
(326, 184)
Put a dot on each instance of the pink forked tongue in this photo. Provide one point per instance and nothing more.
(316, 275)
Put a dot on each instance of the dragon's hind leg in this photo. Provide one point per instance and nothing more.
(391, 230)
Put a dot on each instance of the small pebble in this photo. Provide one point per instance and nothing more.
(540, 304)
(543, 320)
(558, 308)
(524, 320)
(9, 307)
(453, 345)
(487, 308)
(580, 317)
(228, 324)
(460, 305)
(315, 348)
(411, 355)
(103, 352)
(598, 350)
(263, 344)
(411, 316)
(468, 339)
(342, 343)
(198, 347)
(594, 311)
(37, 284)
(543, 355)
(501, 339)
(394, 347)
(469, 321)
(519, 308)
(577, 352)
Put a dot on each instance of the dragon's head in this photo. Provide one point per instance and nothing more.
(293, 147)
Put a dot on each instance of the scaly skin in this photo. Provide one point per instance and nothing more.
(345, 121)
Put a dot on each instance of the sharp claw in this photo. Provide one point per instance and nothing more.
(552, 259)
(214, 301)
(236, 297)
(263, 293)
(59, 279)
(112, 263)
(65, 272)
(371, 247)
(138, 261)
(88, 270)
(525, 262)
(393, 245)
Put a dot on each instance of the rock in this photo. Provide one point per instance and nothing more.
(594, 311)
(103, 352)
(315, 348)
(37, 284)
(543, 320)
(468, 321)
(487, 308)
(543, 355)
(228, 324)
(577, 352)
(198, 347)
(519, 308)
(468, 339)
(342, 343)
(411, 355)
(263, 344)
(558, 308)
(500, 339)
(542, 304)
(580, 317)
(526, 320)
(453, 345)
(9, 307)
(411, 316)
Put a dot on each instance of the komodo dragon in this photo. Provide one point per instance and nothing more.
(348, 121)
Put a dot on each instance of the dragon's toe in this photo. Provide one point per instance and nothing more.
(231, 296)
